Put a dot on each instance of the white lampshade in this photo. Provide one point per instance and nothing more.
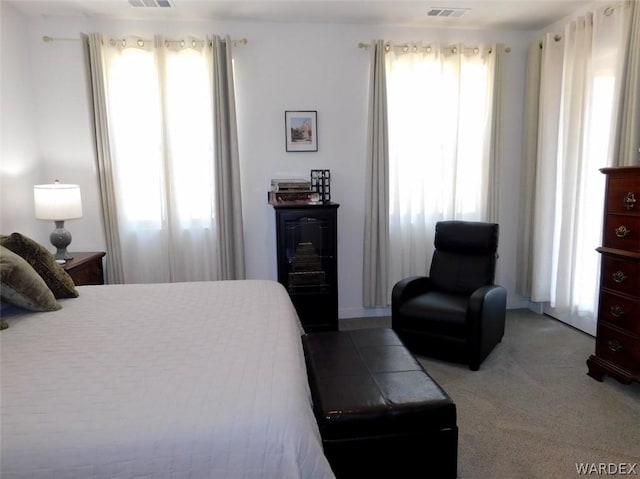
(57, 202)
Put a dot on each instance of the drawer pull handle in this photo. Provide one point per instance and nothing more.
(622, 231)
(630, 200)
(615, 346)
(619, 277)
(617, 311)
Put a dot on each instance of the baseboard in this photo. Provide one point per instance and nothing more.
(517, 302)
(346, 313)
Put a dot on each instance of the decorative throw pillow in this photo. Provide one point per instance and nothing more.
(22, 286)
(56, 278)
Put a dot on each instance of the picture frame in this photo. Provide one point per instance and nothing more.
(301, 130)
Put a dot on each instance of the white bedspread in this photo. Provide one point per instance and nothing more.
(178, 380)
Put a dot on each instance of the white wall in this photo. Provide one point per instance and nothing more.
(21, 163)
(283, 67)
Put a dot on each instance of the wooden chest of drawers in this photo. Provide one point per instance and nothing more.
(618, 333)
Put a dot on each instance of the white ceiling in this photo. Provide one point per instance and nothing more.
(484, 14)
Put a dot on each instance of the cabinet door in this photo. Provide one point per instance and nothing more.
(307, 252)
(307, 264)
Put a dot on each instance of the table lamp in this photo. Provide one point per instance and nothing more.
(58, 202)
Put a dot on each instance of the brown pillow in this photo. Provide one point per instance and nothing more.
(56, 278)
(22, 286)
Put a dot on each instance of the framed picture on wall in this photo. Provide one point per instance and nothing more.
(301, 130)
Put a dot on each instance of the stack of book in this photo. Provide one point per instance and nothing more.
(306, 267)
(291, 191)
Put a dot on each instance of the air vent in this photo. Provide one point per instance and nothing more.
(446, 12)
(150, 3)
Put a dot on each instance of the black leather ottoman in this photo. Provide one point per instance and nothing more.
(380, 414)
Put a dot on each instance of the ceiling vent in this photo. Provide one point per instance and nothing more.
(150, 3)
(446, 12)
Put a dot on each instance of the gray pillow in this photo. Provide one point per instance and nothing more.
(22, 286)
(41, 259)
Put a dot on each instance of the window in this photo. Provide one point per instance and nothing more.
(160, 114)
(439, 113)
(162, 133)
(579, 94)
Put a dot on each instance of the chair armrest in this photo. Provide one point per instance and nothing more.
(486, 317)
(487, 301)
(408, 288)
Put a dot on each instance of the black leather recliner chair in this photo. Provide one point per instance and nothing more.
(456, 313)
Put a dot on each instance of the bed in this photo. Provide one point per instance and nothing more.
(181, 380)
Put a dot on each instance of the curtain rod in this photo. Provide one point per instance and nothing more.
(405, 46)
(48, 39)
(608, 11)
(556, 38)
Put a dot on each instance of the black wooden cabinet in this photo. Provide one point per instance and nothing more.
(307, 238)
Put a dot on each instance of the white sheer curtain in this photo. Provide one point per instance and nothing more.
(441, 125)
(161, 129)
(579, 89)
(546, 166)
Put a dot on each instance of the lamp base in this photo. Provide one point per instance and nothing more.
(61, 238)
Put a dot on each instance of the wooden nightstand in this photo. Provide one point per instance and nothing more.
(85, 268)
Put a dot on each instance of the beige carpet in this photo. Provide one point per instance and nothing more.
(532, 411)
